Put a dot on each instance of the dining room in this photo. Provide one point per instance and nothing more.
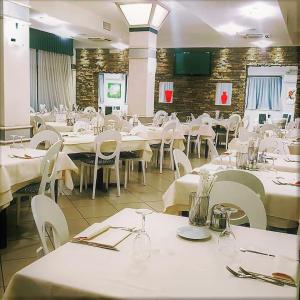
(149, 149)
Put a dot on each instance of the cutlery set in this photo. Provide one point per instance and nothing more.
(286, 183)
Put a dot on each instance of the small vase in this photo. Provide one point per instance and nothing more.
(198, 209)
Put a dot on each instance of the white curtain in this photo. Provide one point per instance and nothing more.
(54, 79)
(33, 79)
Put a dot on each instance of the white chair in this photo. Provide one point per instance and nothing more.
(126, 126)
(294, 133)
(290, 125)
(47, 213)
(244, 135)
(273, 145)
(193, 135)
(181, 159)
(229, 192)
(38, 123)
(46, 136)
(231, 128)
(245, 122)
(159, 117)
(166, 145)
(89, 109)
(102, 160)
(81, 125)
(297, 123)
(48, 172)
(212, 150)
(269, 128)
(247, 179)
(113, 121)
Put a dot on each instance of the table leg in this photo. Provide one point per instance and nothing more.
(206, 149)
(3, 229)
(56, 190)
(100, 184)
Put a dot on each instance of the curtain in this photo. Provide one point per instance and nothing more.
(33, 80)
(264, 93)
(54, 79)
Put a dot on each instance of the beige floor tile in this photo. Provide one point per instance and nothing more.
(1, 292)
(71, 213)
(103, 210)
(1, 280)
(96, 220)
(64, 201)
(157, 205)
(131, 205)
(24, 230)
(83, 202)
(77, 225)
(24, 248)
(10, 267)
(147, 197)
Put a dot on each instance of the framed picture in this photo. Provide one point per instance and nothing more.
(114, 90)
(166, 92)
(223, 94)
(290, 94)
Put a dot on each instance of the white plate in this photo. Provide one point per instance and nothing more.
(193, 232)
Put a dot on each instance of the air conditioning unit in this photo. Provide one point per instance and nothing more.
(106, 26)
(250, 36)
(99, 39)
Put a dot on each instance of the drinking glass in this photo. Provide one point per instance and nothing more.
(141, 242)
(12, 146)
(188, 119)
(227, 240)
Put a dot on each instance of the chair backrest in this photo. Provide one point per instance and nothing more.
(112, 119)
(89, 109)
(290, 125)
(38, 122)
(47, 213)
(213, 152)
(206, 120)
(47, 136)
(262, 118)
(126, 126)
(48, 174)
(194, 126)
(297, 123)
(81, 125)
(233, 122)
(246, 122)
(160, 113)
(180, 158)
(273, 145)
(293, 133)
(112, 136)
(269, 127)
(168, 133)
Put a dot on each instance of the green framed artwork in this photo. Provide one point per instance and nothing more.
(114, 90)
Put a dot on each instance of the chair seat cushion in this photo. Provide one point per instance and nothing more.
(31, 189)
(129, 155)
(157, 146)
(90, 160)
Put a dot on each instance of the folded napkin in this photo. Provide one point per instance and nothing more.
(28, 153)
(102, 235)
(268, 265)
(284, 181)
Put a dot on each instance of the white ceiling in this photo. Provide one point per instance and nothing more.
(191, 23)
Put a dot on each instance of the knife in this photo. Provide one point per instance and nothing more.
(257, 252)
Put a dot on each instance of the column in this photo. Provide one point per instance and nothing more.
(142, 68)
(14, 70)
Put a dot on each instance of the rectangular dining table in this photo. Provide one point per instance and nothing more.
(282, 202)
(177, 268)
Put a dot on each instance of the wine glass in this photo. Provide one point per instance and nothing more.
(12, 146)
(227, 241)
(141, 242)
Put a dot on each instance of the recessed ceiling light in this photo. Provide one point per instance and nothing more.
(119, 45)
(259, 10)
(45, 19)
(262, 43)
(65, 33)
(160, 13)
(136, 13)
(231, 28)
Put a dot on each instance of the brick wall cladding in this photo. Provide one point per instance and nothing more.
(194, 94)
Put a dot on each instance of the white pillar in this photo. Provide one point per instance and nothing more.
(14, 71)
(142, 68)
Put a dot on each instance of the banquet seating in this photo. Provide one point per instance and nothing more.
(89, 109)
(48, 172)
(229, 192)
(166, 145)
(126, 126)
(112, 120)
(38, 123)
(193, 136)
(159, 117)
(231, 129)
(290, 125)
(180, 159)
(212, 150)
(297, 123)
(102, 160)
(81, 125)
(294, 133)
(273, 145)
(246, 179)
(269, 128)
(46, 136)
(245, 122)
(47, 213)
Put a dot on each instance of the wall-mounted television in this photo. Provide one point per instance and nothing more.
(192, 62)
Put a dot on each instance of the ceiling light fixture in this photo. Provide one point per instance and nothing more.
(45, 19)
(262, 43)
(145, 13)
(259, 10)
(231, 28)
(65, 33)
(119, 46)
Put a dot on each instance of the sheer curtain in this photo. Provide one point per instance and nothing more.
(54, 79)
(33, 80)
(264, 93)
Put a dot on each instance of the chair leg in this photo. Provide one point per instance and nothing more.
(126, 174)
(52, 190)
(118, 180)
(188, 147)
(227, 135)
(172, 160)
(86, 177)
(161, 156)
(81, 177)
(18, 208)
(199, 147)
(94, 182)
(144, 172)
(106, 177)
(132, 166)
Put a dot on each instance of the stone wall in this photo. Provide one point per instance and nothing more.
(191, 93)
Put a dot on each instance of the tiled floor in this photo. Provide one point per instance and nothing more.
(81, 211)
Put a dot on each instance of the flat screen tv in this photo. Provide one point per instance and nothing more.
(192, 63)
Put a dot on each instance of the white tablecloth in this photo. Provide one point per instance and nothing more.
(281, 163)
(205, 130)
(16, 172)
(85, 143)
(177, 268)
(60, 126)
(282, 201)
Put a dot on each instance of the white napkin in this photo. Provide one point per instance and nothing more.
(28, 153)
(91, 231)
